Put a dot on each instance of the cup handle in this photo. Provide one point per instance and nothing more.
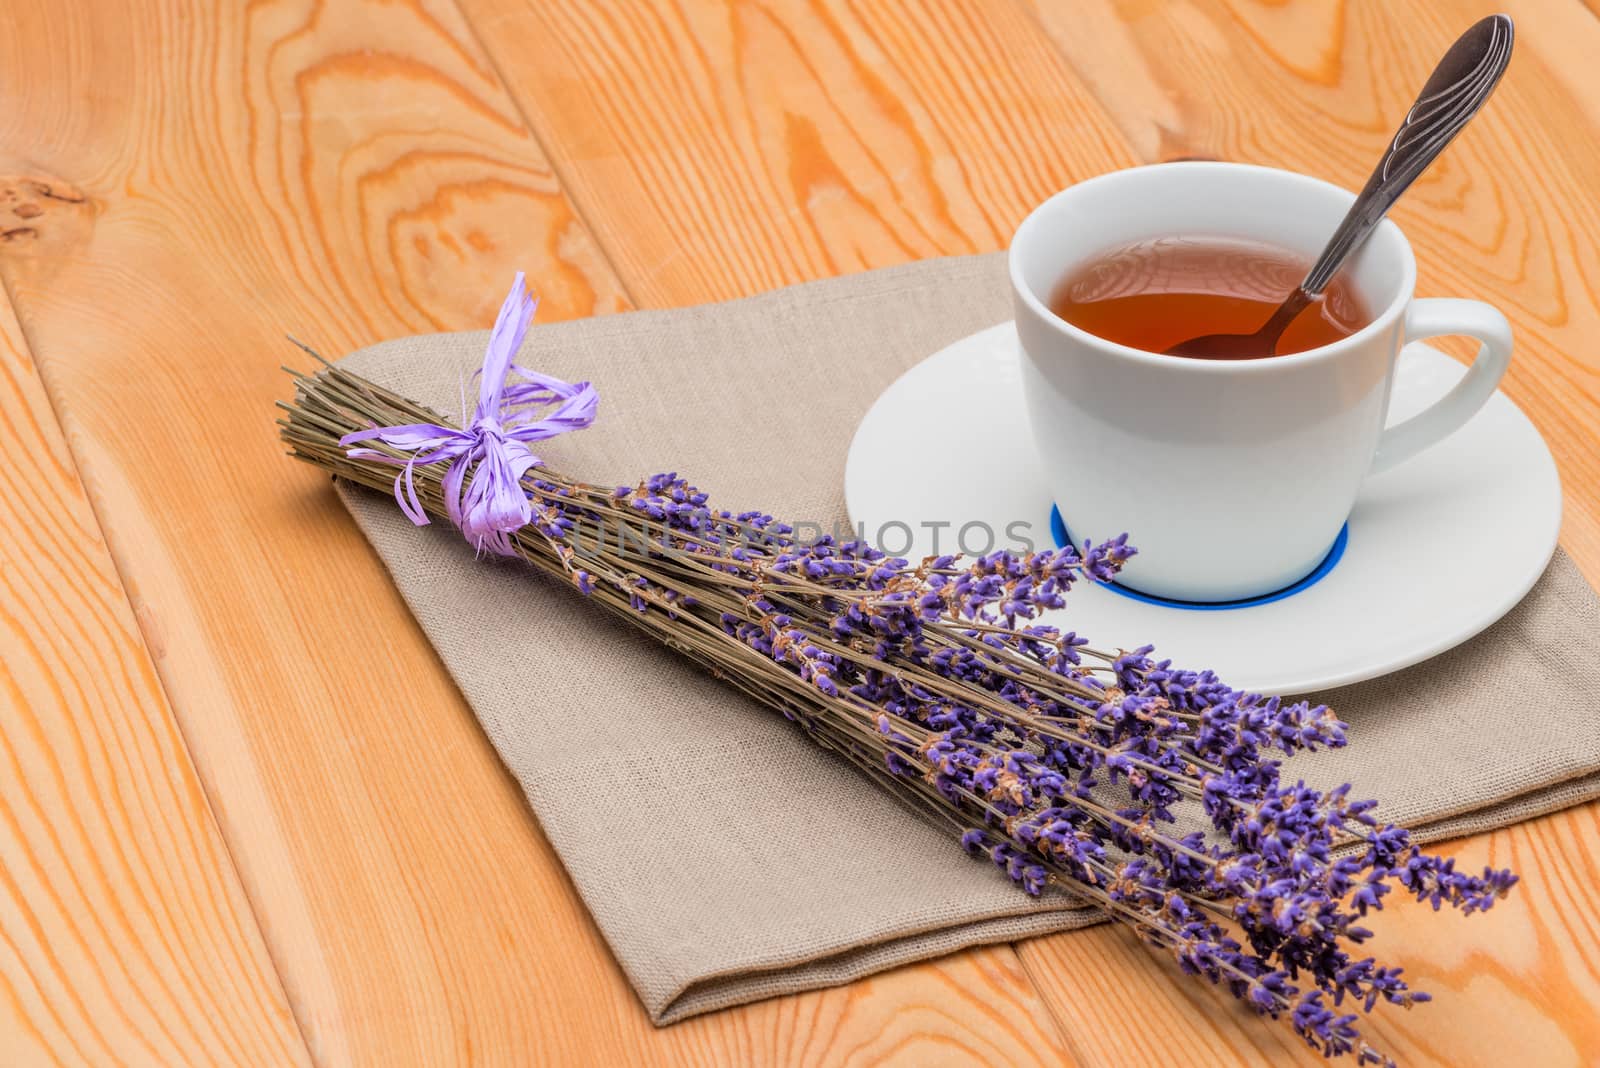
(1437, 317)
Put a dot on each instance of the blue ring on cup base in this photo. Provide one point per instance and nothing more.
(1063, 538)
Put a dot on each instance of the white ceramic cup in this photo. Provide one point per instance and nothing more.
(1233, 478)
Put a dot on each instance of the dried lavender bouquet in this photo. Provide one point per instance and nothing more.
(1066, 765)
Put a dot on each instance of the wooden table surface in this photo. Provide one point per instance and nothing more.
(244, 815)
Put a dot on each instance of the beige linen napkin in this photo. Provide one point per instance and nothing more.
(724, 857)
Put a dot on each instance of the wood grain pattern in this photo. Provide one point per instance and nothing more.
(206, 178)
(200, 180)
(718, 150)
(124, 932)
(673, 125)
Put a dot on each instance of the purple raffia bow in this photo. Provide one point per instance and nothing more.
(483, 493)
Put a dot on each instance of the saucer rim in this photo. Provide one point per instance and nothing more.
(1484, 618)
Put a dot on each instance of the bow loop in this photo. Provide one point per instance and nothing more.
(482, 483)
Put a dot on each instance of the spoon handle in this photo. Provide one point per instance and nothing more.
(1455, 91)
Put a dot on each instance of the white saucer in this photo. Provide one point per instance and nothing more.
(1439, 547)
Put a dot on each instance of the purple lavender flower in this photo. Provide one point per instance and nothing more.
(1063, 764)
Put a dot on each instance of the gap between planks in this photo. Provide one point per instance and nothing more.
(90, 1014)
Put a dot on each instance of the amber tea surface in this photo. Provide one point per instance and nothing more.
(1156, 293)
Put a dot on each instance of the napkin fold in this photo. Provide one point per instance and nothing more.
(724, 857)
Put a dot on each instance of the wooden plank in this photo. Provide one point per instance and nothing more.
(206, 180)
(721, 149)
(124, 931)
(718, 150)
(1507, 215)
